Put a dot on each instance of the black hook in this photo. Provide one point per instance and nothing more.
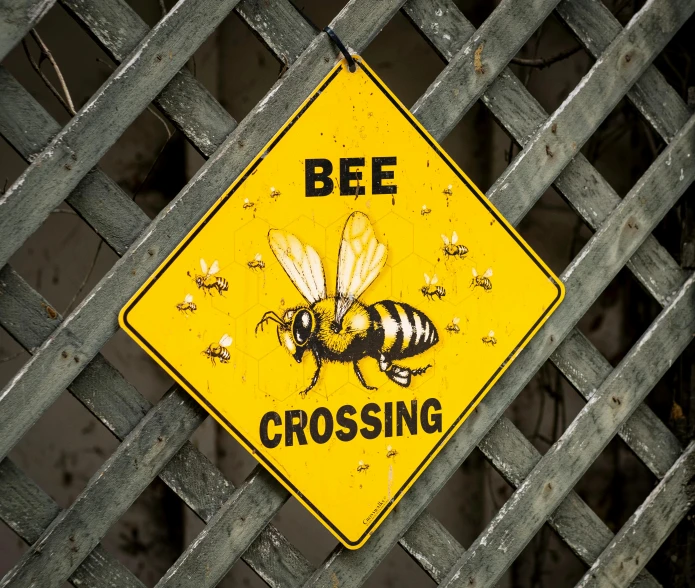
(352, 64)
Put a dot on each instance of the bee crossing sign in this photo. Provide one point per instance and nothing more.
(345, 304)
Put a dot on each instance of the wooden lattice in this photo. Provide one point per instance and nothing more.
(65, 544)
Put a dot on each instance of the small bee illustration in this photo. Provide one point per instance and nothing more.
(489, 339)
(362, 467)
(429, 290)
(425, 211)
(187, 305)
(453, 326)
(256, 263)
(219, 351)
(273, 192)
(248, 204)
(451, 249)
(391, 452)
(207, 281)
(448, 191)
(482, 281)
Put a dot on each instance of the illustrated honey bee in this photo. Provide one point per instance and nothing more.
(448, 191)
(362, 467)
(429, 290)
(489, 339)
(425, 211)
(482, 281)
(208, 282)
(391, 452)
(187, 305)
(273, 192)
(248, 204)
(256, 263)
(451, 249)
(341, 328)
(219, 350)
(453, 326)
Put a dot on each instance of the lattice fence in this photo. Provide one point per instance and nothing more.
(65, 544)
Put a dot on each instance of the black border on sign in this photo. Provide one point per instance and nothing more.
(221, 202)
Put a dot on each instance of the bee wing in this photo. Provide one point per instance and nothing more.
(435, 279)
(488, 273)
(301, 264)
(360, 260)
(456, 320)
(214, 268)
(203, 266)
(189, 298)
(427, 279)
(226, 340)
(258, 257)
(491, 334)
(475, 273)
(246, 200)
(454, 238)
(445, 239)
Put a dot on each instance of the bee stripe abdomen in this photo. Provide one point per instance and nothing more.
(390, 328)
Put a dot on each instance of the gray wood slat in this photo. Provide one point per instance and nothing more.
(94, 321)
(586, 277)
(647, 528)
(17, 18)
(118, 405)
(518, 112)
(97, 198)
(559, 139)
(79, 146)
(76, 531)
(476, 65)
(596, 28)
(568, 459)
(608, 249)
(184, 100)
(28, 510)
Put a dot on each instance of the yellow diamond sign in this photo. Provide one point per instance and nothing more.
(345, 304)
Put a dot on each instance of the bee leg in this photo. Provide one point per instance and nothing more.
(360, 377)
(402, 375)
(315, 379)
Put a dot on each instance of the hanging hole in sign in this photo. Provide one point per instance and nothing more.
(352, 64)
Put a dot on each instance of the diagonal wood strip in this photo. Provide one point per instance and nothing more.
(18, 17)
(647, 528)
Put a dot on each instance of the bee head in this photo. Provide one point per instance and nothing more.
(199, 281)
(299, 326)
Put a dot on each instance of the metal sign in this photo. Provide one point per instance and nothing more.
(345, 304)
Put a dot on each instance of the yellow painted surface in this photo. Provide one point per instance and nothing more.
(350, 485)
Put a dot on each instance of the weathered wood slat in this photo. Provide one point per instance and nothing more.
(17, 18)
(53, 366)
(521, 115)
(119, 406)
(92, 131)
(559, 139)
(567, 460)
(586, 277)
(97, 198)
(28, 510)
(647, 528)
(596, 28)
(184, 100)
(609, 248)
(478, 63)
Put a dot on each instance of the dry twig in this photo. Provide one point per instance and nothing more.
(544, 62)
(86, 278)
(65, 99)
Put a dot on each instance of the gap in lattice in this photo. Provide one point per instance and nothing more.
(398, 569)
(545, 407)
(554, 73)
(616, 484)
(619, 316)
(465, 504)
(403, 59)
(150, 536)
(319, 13)
(64, 449)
